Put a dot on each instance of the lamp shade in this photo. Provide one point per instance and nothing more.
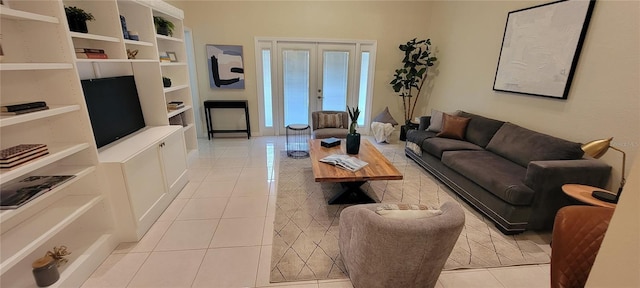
(597, 148)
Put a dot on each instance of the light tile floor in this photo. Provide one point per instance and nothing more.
(222, 237)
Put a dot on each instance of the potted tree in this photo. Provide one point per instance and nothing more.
(353, 138)
(163, 26)
(410, 78)
(77, 19)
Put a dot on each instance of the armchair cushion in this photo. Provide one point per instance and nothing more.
(330, 121)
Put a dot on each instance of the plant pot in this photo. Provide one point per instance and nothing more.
(353, 143)
(166, 82)
(45, 271)
(163, 31)
(405, 128)
(76, 25)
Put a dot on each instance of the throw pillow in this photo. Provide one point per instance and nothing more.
(385, 117)
(436, 121)
(406, 211)
(333, 120)
(453, 127)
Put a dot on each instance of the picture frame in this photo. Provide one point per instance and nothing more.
(172, 56)
(226, 66)
(539, 54)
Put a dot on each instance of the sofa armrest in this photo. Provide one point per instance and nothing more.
(424, 122)
(546, 179)
(546, 175)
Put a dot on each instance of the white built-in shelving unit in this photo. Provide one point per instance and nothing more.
(39, 64)
(106, 33)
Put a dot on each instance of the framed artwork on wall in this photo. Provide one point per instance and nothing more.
(226, 68)
(540, 48)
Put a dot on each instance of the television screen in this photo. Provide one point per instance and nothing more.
(114, 108)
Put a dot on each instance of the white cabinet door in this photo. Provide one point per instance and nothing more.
(145, 181)
(174, 160)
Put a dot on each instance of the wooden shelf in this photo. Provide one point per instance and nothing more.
(100, 246)
(178, 111)
(94, 37)
(190, 126)
(175, 88)
(56, 152)
(114, 60)
(7, 217)
(139, 43)
(13, 14)
(169, 38)
(52, 111)
(35, 231)
(34, 66)
(173, 64)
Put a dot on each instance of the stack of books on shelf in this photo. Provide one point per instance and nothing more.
(20, 154)
(14, 195)
(90, 53)
(175, 105)
(22, 108)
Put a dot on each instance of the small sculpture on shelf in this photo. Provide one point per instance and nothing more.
(45, 269)
(131, 54)
(77, 19)
(166, 82)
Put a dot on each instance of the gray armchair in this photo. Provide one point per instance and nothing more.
(338, 132)
(385, 252)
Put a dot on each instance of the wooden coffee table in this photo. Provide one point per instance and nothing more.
(379, 168)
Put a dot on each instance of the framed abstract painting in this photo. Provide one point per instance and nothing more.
(540, 48)
(226, 68)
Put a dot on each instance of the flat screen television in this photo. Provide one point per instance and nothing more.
(114, 107)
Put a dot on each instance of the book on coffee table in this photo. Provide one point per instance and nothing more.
(345, 162)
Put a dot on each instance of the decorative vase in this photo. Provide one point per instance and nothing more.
(76, 25)
(163, 30)
(45, 271)
(166, 82)
(353, 143)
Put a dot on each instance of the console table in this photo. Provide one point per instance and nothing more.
(226, 104)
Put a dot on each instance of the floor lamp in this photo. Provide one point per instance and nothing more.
(596, 149)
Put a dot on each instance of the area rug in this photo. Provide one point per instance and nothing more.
(305, 236)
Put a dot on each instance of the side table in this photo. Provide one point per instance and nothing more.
(298, 136)
(582, 193)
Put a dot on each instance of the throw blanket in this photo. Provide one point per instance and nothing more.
(381, 131)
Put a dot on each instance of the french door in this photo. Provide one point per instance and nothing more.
(299, 76)
(314, 77)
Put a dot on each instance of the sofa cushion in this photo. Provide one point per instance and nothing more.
(480, 129)
(501, 177)
(436, 121)
(453, 127)
(436, 146)
(522, 146)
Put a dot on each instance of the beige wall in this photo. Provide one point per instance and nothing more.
(604, 99)
(239, 22)
(618, 260)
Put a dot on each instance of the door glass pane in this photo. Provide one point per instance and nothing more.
(266, 84)
(295, 76)
(334, 80)
(364, 80)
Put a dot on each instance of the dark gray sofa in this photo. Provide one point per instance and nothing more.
(511, 174)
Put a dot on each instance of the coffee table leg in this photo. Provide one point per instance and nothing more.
(352, 194)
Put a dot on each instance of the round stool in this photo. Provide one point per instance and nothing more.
(298, 136)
